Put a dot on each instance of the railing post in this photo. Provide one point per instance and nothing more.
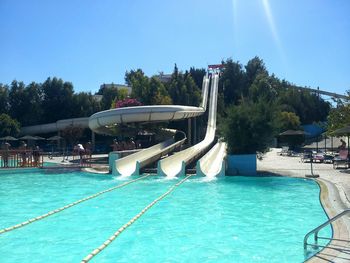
(317, 229)
(316, 237)
(316, 240)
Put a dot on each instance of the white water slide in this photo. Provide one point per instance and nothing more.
(131, 164)
(101, 122)
(175, 165)
(212, 164)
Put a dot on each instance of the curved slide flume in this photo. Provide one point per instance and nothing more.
(212, 163)
(55, 126)
(131, 164)
(175, 165)
(100, 122)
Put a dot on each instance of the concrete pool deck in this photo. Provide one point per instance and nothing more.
(335, 197)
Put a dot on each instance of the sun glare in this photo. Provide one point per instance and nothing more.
(235, 25)
(270, 20)
(273, 29)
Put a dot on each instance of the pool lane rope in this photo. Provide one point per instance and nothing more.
(121, 229)
(8, 229)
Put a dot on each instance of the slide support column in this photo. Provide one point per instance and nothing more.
(189, 131)
(93, 140)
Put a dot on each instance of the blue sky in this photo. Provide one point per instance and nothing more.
(89, 42)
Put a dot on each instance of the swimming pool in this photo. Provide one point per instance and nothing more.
(231, 219)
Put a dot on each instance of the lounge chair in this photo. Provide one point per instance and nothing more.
(285, 151)
(341, 159)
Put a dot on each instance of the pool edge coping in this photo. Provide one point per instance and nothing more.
(332, 204)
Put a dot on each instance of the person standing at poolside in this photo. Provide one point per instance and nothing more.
(342, 146)
(36, 156)
(88, 149)
(116, 146)
(81, 151)
(132, 144)
(23, 149)
(5, 154)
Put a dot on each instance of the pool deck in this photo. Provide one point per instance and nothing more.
(68, 161)
(335, 197)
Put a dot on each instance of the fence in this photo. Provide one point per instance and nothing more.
(83, 158)
(20, 158)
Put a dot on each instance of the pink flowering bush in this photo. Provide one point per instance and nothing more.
(127, 103)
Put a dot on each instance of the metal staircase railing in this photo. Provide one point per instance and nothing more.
(317, 229)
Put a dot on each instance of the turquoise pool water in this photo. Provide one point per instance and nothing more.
(232, 219)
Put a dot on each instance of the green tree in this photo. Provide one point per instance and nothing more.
(123, 93)
(192, 91)
(249, 127)
(255, 67)
(338, 118)
(262, 89)
(139, 84)
(183, 90)
(26, 103)
(4, 98)
(109, 94)
(176, 86)
(33, 104)
(287, 121)
(158, 95)
(84, 105)
(309, 107)
(197, 75)
(232, 82)
(149, 91)
(17, 99)
(57, 99)
(8, 126)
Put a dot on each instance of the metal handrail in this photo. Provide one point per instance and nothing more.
(317, 229)
(21, 158)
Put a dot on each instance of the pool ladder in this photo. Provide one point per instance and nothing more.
(317, 229)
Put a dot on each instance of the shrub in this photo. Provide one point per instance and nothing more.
(249, 127)
(127, 103)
